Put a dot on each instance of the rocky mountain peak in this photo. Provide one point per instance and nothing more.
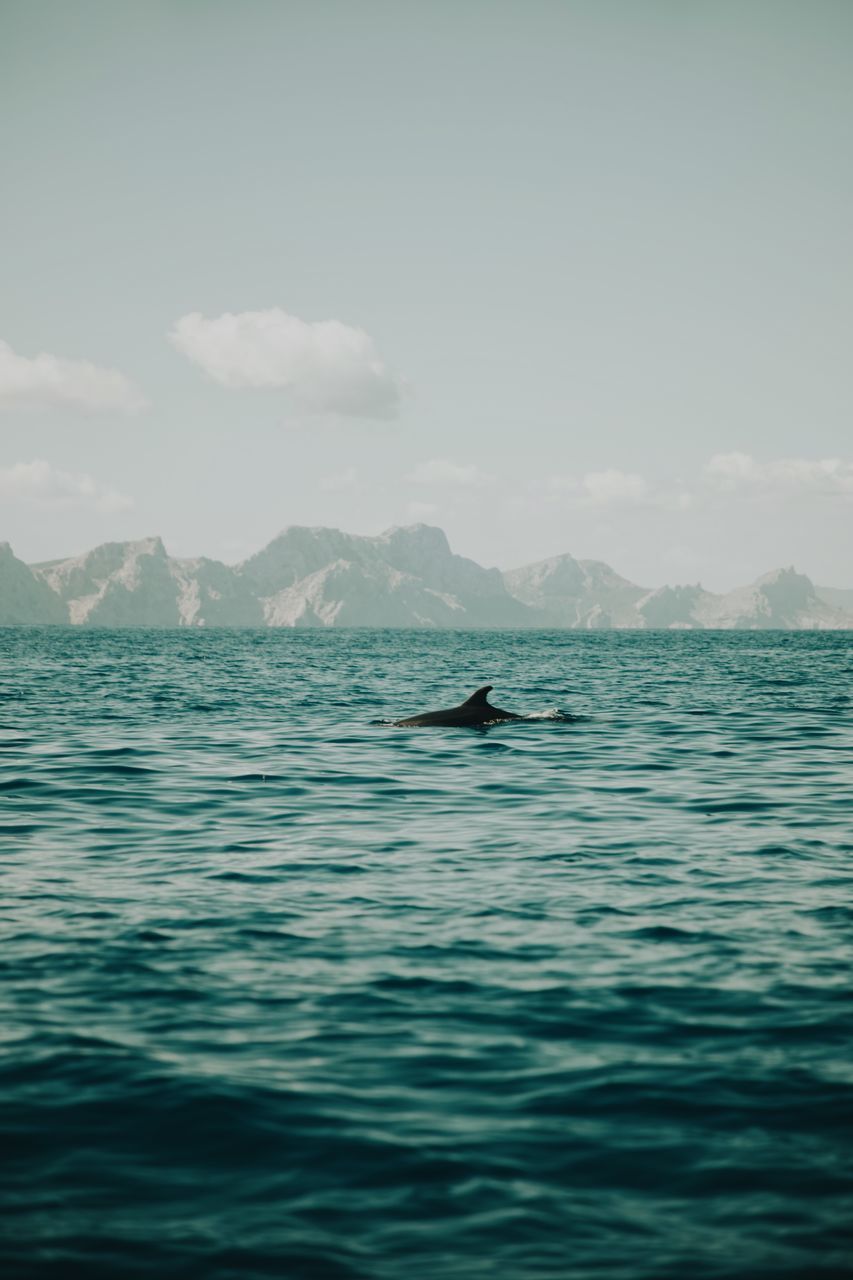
(407, 576)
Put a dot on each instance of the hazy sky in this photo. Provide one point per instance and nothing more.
(554, 276)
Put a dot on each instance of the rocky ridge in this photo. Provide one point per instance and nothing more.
(405, 577)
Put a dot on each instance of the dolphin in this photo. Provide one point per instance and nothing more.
(475, 710)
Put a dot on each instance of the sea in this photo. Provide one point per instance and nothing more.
(287, 991)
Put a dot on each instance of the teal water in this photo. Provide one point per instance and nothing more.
(286, 993)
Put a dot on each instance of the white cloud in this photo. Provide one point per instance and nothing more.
(603, 488)
(340, 482)
(730, 469)
(606, 487)
(614, 488)
(327, 365)
(38, 481)
(784, 476)
(730, 473)
(565, 484)
(40, 381)
(442, 472)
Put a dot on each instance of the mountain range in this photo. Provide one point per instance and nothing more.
(405, 577)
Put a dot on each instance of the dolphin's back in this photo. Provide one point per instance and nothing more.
(474, 710)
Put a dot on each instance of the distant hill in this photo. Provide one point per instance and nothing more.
(24, 597)
(577, 593)
(587, 593)
(405, 577)
(838, 597)
(303, 578)
(121, 584)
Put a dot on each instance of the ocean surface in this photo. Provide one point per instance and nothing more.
(288, 993)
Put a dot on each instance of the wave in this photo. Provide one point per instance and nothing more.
(284, 995)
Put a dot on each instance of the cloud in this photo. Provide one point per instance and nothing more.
(38, 481)
(442, 472)
(676, 500)
(340, 482)
(603, 488)
(607, 487)
(40, 381)
(564, 484)
(327, 366)
(729, 473)
(784, 476)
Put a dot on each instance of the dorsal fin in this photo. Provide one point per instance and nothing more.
(480, 697)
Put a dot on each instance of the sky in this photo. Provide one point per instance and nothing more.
(555, 276)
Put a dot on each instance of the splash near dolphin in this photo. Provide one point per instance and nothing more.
(475, 710)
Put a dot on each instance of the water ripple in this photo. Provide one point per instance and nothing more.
(288, 991)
